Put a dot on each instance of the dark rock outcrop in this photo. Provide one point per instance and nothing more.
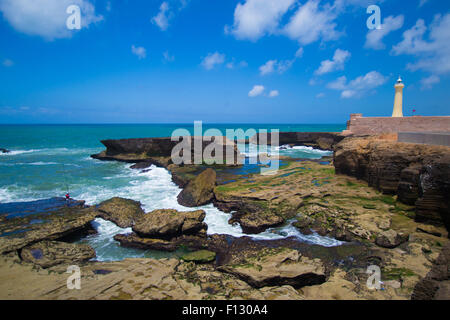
(4, 150)
(320, 140)
(436, 285)
(60, 224)
(199, 191)
(158, 151)
(132, 240)
(418, 174)
(123, 212)
(51, 253)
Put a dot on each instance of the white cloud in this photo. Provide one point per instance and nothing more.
(320, 95)
(280, 67)
(274, 93)
(46, 18)
(268, 67)
(168, 57)
(311, 23)
(212, 60)
(8, 63)
(163, 16)
(433, 53)
(256, 18)
(299, 53)
(427, 83)
(338, 62)
(374, 38)
(140, 52)
(256, 91)
(272, 66)
(358, 86)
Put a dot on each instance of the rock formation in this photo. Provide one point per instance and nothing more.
(158, 151)
(280, 267)
(2, 150)
(436, 285)
(123, 212)
(166, 224)
(199, 191)
(51, 253)
(418, 174)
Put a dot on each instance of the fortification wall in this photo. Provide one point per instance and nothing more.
(359, 125)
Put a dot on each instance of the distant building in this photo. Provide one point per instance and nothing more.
(398, 101)
(359, 125)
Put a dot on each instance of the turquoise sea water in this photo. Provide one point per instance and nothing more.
(48, 160)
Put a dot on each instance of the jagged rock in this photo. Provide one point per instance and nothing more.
(199, 191)
(158, 151)
(63, 223)
(123, 212)
(391, 239)
(257, 222)
(436, 284)
(429, 229)
(51, 253)
(4, 150)
(132, 240)
(202, 256)
(418, 174)
(170, 223)
(279, 267)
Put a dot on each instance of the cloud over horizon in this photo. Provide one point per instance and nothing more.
(46, 18)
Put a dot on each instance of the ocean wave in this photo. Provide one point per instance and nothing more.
(53, 151)
(17, 152)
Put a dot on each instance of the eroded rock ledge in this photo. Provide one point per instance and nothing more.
(418, 174)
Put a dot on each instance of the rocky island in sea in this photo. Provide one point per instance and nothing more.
(373, 201)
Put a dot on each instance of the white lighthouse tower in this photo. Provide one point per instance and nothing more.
(398, 102)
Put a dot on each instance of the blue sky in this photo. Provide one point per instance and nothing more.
(245, 61)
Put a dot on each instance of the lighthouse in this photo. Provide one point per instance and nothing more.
(398, 102)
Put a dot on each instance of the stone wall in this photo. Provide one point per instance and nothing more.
(359, 125)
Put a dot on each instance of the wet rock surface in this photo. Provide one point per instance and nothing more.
(123, 212)
(56, 224)
(201, 256)
(51, 253)
(2, 150)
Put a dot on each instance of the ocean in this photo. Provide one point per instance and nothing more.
(48, 161)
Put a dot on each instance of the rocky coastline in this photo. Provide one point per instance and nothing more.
(387, 201)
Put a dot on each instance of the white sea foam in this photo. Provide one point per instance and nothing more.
(155, 190)
(17, 152)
